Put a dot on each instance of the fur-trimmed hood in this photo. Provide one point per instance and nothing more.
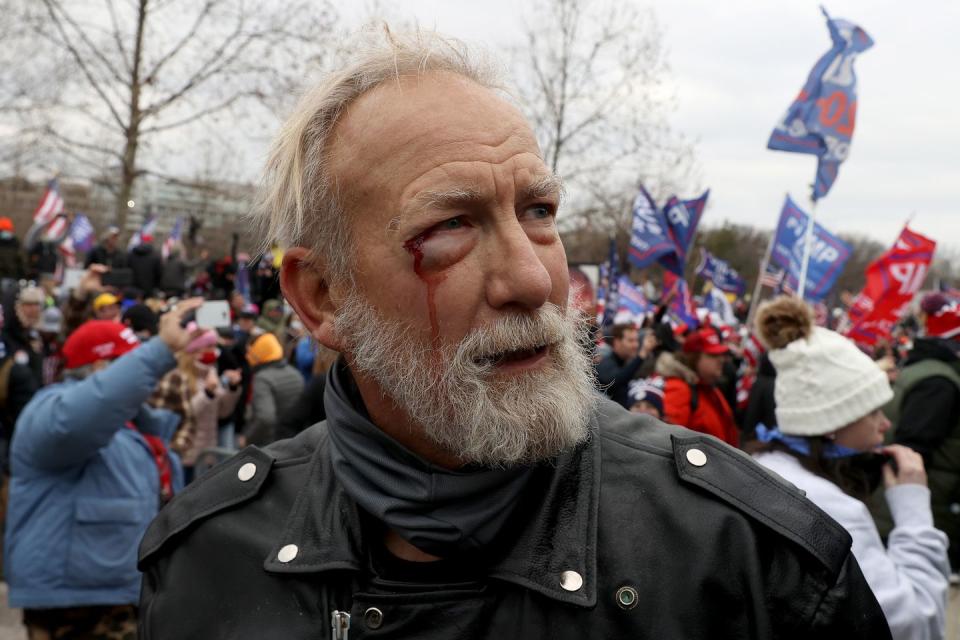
(669, 366)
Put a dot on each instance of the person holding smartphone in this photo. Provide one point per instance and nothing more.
(829, 430)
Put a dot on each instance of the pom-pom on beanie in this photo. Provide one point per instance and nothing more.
(824, 382)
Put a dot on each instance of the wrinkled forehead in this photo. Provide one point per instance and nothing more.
(402, 129)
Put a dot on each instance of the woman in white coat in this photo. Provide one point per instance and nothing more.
(830, 428)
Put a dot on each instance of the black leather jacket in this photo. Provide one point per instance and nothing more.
(630, 536)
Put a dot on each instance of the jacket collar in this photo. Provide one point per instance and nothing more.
(559, 536)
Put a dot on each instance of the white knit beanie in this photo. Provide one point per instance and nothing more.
(824, 382)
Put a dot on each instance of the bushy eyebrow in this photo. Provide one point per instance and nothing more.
(544, 186)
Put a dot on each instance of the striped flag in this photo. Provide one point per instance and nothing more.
(57, 229)
(772, 277)
(172, 239)
(146, 231)
(51, 205)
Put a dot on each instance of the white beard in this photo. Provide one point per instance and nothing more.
(456, 395)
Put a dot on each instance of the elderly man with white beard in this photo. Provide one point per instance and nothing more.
(468, 481)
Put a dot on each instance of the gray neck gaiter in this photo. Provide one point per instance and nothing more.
(439, 511)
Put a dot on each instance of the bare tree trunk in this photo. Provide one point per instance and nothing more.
(129, 171)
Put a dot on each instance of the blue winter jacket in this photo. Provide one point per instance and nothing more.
(84, 487)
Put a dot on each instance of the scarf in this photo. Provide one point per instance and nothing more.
(161, 459)
(440, 511)
(802, 445)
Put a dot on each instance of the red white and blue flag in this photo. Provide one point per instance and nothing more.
(80, 238)
(681, 304)
(172, 239)
(147, 230)
(51, 204)
(821, 119)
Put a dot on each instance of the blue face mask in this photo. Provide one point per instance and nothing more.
(801, 445)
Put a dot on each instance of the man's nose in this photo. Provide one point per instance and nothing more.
(517, 275)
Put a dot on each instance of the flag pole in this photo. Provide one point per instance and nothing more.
(807, 246)
(758, 287)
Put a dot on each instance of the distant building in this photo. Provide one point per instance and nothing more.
(220, 207)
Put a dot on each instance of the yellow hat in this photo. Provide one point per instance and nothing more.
(264, 348)
(104, 300)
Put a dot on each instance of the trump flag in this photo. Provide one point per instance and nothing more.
(676, 291)
(682, 218)
(632, 304)
(720, 273)
(828, 255)
(650, 237)
(892, 281)
(821, 119)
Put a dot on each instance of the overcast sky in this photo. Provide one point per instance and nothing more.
(736, 66)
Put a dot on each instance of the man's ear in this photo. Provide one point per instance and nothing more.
(305, 287)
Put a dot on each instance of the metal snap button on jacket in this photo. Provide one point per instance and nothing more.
(696, 457)
(571, 580)
(288, 553)
(627, 597)
(247, 471)
(373, 618)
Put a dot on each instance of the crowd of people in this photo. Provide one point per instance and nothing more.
(868, 433)
(80, 421)
(432, 452)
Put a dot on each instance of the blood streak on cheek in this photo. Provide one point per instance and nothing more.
(414, 247)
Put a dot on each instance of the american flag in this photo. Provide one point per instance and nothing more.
(172, 239)
(772, 277)
(148, 229)
(51, 204)
(57, 229)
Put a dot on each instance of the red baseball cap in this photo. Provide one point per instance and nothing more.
(98, 340)
(945, 322)
(705, 340)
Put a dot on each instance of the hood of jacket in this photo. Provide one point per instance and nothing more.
(669, 366)
(942, 349)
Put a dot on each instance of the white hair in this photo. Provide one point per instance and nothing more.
(453, 391)
(298, 203)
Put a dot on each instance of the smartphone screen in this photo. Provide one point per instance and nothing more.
(213, 314)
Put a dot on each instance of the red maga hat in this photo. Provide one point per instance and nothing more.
(98, 340)
(705, 340)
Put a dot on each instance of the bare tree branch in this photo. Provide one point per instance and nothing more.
(81, 63)
(226, 104)
(187, 38)
(118, 39)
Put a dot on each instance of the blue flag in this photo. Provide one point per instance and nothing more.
(821, 119)
(632, 301)
(81, 233)
(682, 218)
(828, 254)
(682, 308)
(720, 273)
(650, 237)
(608, 294)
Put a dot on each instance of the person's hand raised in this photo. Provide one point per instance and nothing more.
(91, 282)
(172, 331)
